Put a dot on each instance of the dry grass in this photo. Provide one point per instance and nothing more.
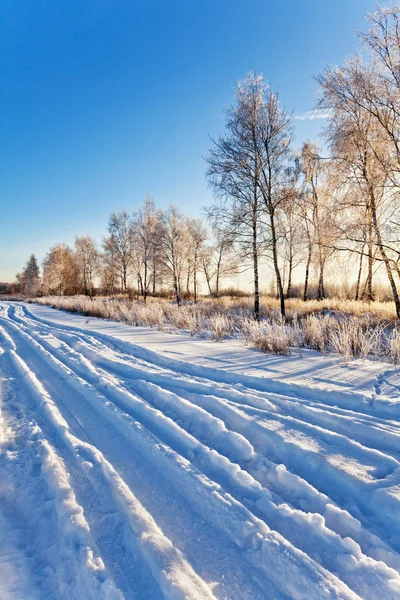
(347, 328)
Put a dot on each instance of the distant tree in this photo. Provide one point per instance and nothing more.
(175, 240)
(32, 276)
(314, 205)
(87, 261)
(219, 261)
(292, 241)
(146, 242)
(197, 235)
(118, 247)
(29, 279)
(109, 279)
(60, 272)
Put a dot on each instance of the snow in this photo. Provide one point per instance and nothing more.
(147, 465)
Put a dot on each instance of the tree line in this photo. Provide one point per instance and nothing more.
(157, 249)
(273, 204)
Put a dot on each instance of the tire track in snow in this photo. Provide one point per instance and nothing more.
(179, 398)
(36, 495)
(313, 468)
(322, 537)
(173, 574)
(247, 530)
(292, 404)
(155, 482)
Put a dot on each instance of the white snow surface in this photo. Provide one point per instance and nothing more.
(137, 464)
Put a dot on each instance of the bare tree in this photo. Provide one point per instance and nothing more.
(315, 204)
(197, 234)
(88, 262)
(274, 140)
(237, 173)
(175, 242)
(378, 84)
(118, 247)
(145, 229)
(109, 278)
(291, 234)
(219, 261)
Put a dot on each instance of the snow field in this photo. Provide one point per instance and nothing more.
(180, 481)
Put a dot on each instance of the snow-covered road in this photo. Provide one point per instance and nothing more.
(125, 473)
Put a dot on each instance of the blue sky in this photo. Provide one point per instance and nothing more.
(104, 101)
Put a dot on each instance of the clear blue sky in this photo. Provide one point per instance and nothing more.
(104, 101)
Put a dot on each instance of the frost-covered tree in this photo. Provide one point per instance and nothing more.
(365, 159)
(87, 261)
(60, 272)
(175, 241)
(197, 235)
(233, 172)
(219, 260)
(252, 165)
(28, 281)
(118, 247)
(146, 229)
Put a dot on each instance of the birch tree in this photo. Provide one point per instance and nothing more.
(118, 247)
(197, 235)
(146, 229)
(87, 261)
(175, 242)
(234, 171)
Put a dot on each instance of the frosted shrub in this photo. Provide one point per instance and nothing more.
(351, 329)
(317, 332)
(268, 336)
(353, 338)
(393, 350)
(154, 315)
(220, 327)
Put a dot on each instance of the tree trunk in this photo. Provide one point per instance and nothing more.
(369, 293)
(256, 278)
(154, 279)
(124, 285)
(357, 294)
(276, 266)
(188, 282)
(321, 284)
(290, 269)
(141, 285)
(145, 283)
(208, 280)
(307, 274)
(195, 279)
(177, 291)
(217, 284)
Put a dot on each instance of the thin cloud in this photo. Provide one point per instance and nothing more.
(311, 115)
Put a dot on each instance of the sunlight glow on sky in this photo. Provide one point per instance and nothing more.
(105, 101)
